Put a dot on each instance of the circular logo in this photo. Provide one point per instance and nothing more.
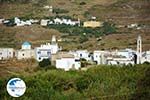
(16, 87)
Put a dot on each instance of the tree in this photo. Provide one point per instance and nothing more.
(83, 39)
(44, 63)
(108, 28)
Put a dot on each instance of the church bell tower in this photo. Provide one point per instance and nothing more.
(139, 49)
(53, 41)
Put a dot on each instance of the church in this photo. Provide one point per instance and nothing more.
(46, 50)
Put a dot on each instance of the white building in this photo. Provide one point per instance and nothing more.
(45, 51)
(44, 22)
(20, 22)
(6, 53)
(66, 61)
(82, 54)
(99, 57)
(66, 21)
(146, 57)
(1, 21)
(25, 52)
(127, 53)
(121, 57)
(114, 57)
(119, 61)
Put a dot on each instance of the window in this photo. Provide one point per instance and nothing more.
(23, 54)
(39, 52)
(48, 52)
(80, 55)
(77, 60)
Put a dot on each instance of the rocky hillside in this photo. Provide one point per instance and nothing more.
(122, 13)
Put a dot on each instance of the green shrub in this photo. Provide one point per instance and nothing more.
(82, 84)
(60, 11)
(83, 3)
(45, 63)
(146, 62)
(99, 82)
(83, 39)
(108, 28)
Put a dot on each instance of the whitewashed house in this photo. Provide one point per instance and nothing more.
(82, 54)
(1, 21)
(121, 57)
(66, 61)
(25, 52)
(50, 22)
(44, 22)
(127, 53)
(58, 21)
(17, 20)
(47, 7)
(66, 21)
(45, 51)
(99, 57)
(34, 21)
(6, 53)
(20, 22)
(146, 57)
(119, 61)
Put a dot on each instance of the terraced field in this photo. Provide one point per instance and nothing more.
(119, 12)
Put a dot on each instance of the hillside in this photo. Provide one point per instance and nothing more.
(119, 12)
(97, 83)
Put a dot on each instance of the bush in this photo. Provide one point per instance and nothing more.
(82, 3)
(108, 28)
(143, 87)
(104, 82)
(60, 11)
(83, 39)
(45, 63)
(87, 15)
(82, 84)
(146, 62)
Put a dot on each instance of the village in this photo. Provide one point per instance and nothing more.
(75, 49)
(58, 20)
(72, 59)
